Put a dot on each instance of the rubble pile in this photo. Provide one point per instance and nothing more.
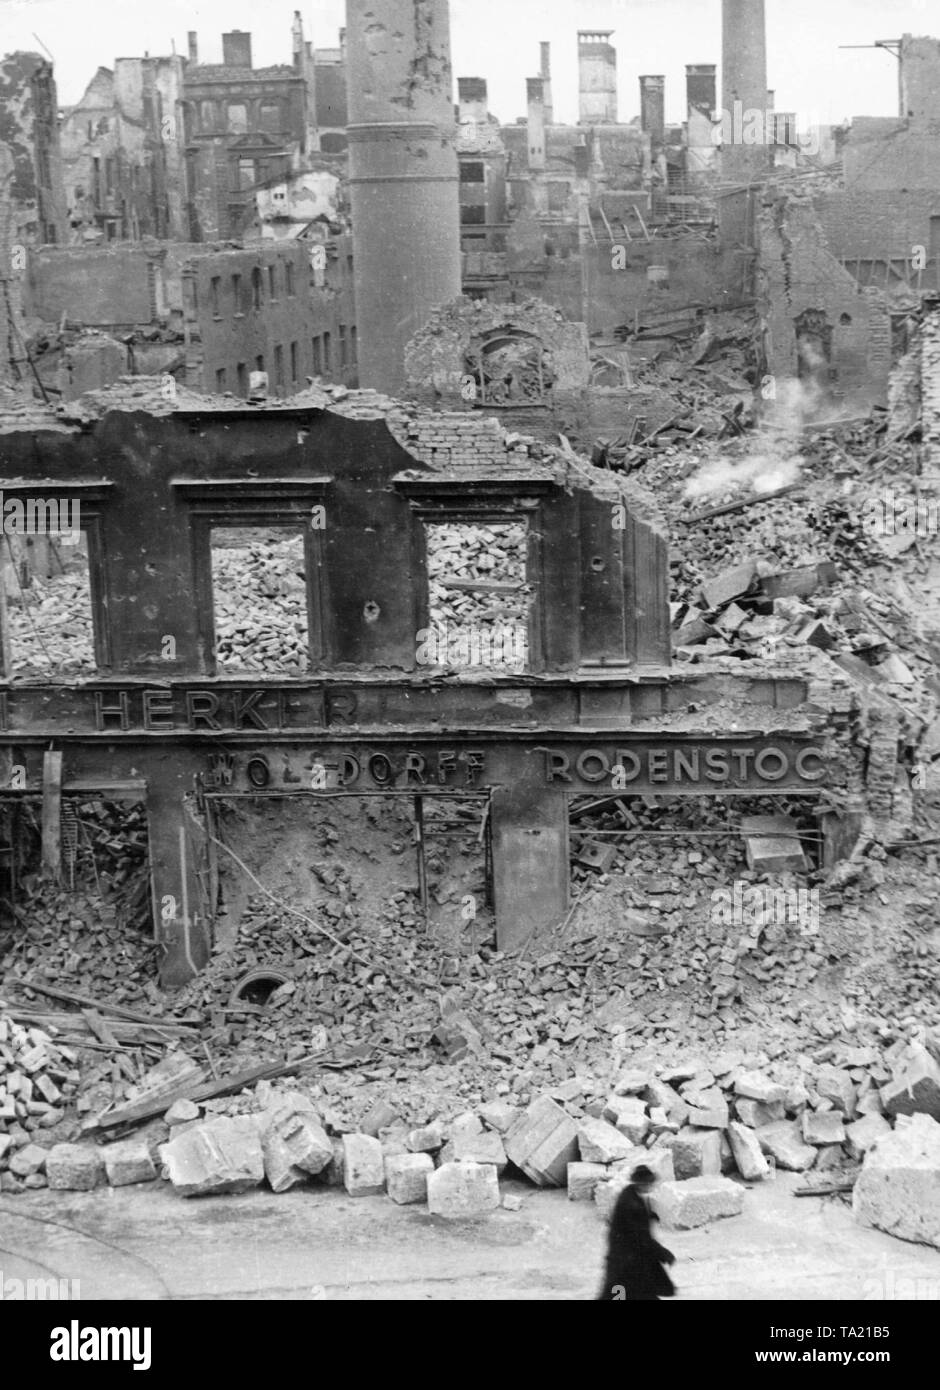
(50, 624)
(476, 575)
(260, 597)
(39, 1080)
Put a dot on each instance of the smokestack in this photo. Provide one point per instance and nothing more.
(545, 72)
(402, 177)
(297, 41)
(653, 108)
(597, 77)
(236, 49)
(193, 45)
(743, 89)
(536, 124)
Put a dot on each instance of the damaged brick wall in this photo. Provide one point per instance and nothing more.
(30, 131)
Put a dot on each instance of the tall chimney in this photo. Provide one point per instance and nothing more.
(535, 109)
(597, 77)
(192, 40)
(402, 177)
(702, 100)
(236, 49)
(653, 108)
(545, 72)
(297, 41)
(743, 90)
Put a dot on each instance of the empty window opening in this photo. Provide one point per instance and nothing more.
(47, 583)
(259, 590)
(479, 600)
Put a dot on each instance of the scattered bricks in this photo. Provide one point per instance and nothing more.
(476, 1148)
(426, 1140)
(223, 1155)
(865, 1132)
(182, 1112)
(821, 1127)
(683, 1071)
(380, 1116)
(467, 1123)
(47, 1089)
(660, 1123)
(31, 1159)
(898, 1189)
(628, 1114)
(10, 1183)
(755, 1115)
(682, 1206)
(696, 1153)
(458, 1190)
(659, 1094)
(753, 1086)
(583, 1179)
(128, 1162)
(751, 1163)
(542, 1142)
(835, 1085)
(35, 1059)
(784, 1143)
(295, 1146)
(600, 1142)
(498, 1115)
(74, 1168)
(363, 1165)
(406, 1177)
(917, 1089)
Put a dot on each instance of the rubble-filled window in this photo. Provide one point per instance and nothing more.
(47, 590)
(259, 591)
(289, 277)
(279, 370)
(215, 288)
(272, 281)
(343, 349)
(237, 294)
(510, 368)
(354, 345)
(317, 356)
(327, 353)
(256, 288)
(293, 364)
(479, 601)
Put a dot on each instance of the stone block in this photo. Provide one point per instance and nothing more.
(542, 1141)
(406, 1177)
(628, 1115)
(457, 1190)
(428, 1139)
(485, 1147)
(864, 1133)
(295, 1146)
(870, 1103)
(696, 1153)
(821, 1127)
(498, 1115)
(30, 1159)
(363, 1165)
(753, 1086)
(631, 1083)
(708, 1110)
(728, 585)
(745, 1146)
(380, 1116)
(755, 1114)
(583, 1179)
(128, 1162)
(836, 1085)
(659, 1094)
(772, 844)
(682, 1206)
(783, 1141)
(917, 1090)
(182, 1112)
(898, 1189)
(600, 1142)
(220, 1156)
(74, 1168)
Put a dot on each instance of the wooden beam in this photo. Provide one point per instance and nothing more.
(52, 813)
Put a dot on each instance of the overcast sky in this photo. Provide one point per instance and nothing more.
(498, 39)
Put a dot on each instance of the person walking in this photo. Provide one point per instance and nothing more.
(635, 1260)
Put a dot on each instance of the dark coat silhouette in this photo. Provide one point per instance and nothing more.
(634, 1269)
